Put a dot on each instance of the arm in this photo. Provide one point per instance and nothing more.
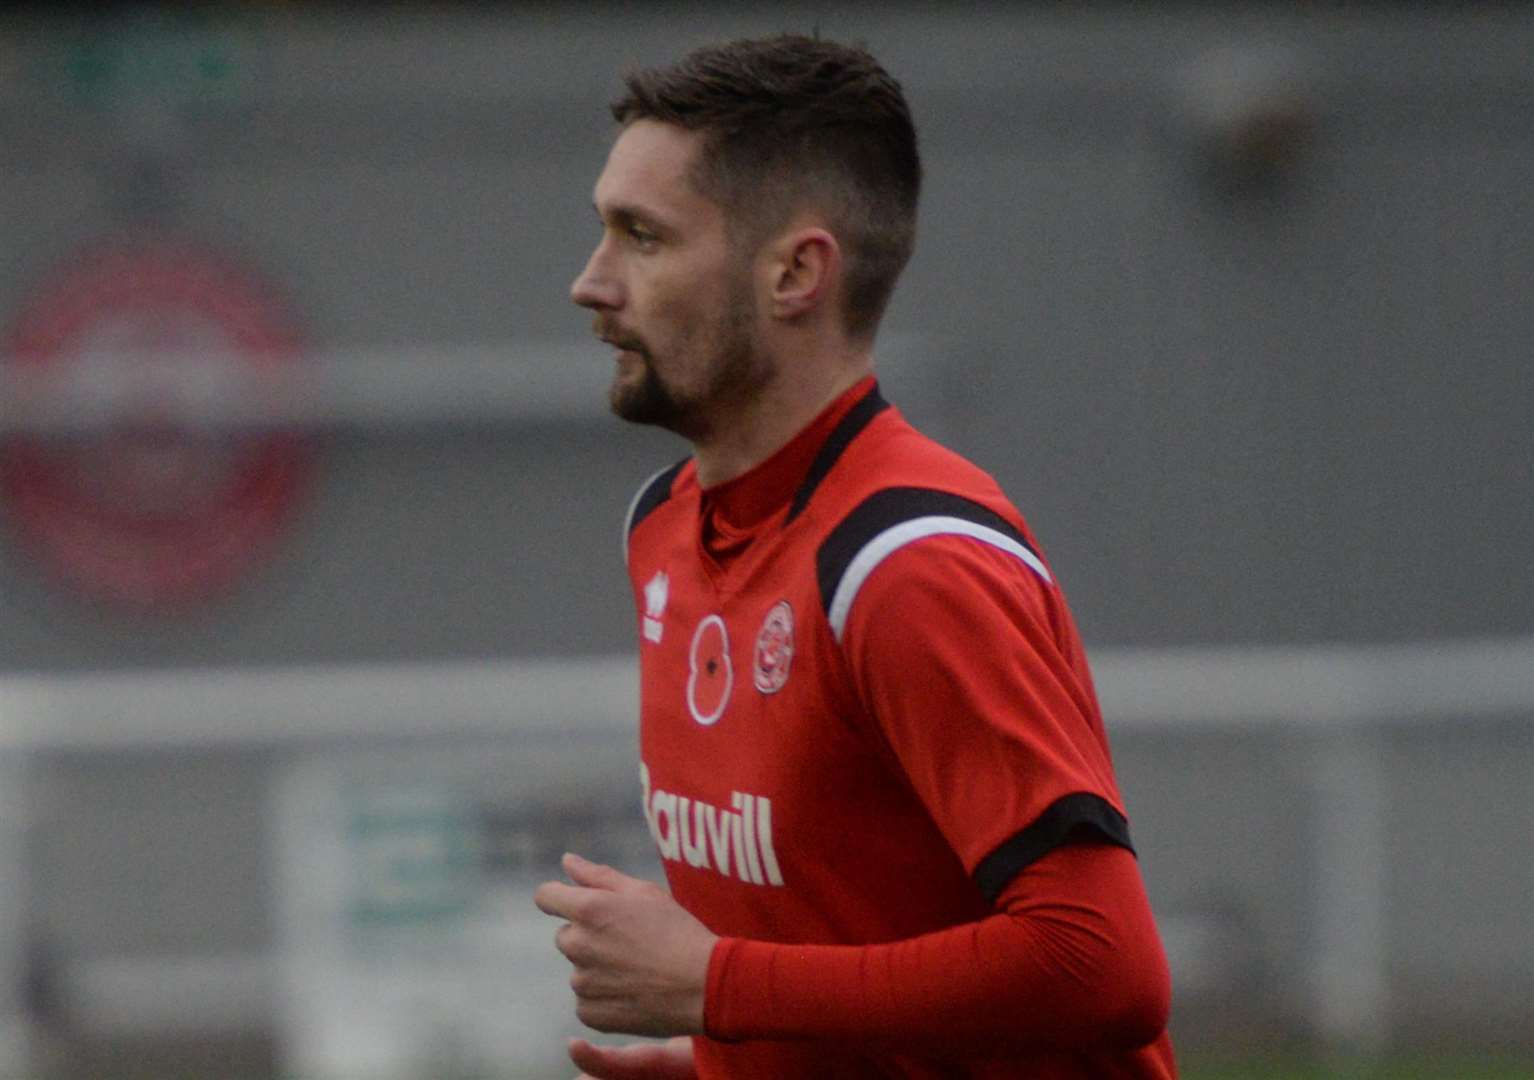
(1072, 960)
(974, 680)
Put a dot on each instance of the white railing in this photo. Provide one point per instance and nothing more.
(1323, 687)
(556, 380)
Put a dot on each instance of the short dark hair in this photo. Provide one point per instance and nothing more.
(790, 121)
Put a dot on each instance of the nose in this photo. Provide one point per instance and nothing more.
(596, 286)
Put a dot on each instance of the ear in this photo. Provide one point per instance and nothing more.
(806, 266)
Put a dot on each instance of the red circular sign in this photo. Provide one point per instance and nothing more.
(150, 503)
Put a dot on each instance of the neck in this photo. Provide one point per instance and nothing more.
(754, 430)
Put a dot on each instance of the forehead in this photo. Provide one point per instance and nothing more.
(648, 170)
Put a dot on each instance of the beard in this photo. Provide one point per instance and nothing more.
(647, 399)
(736, 371)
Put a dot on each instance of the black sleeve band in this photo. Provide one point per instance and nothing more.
(1058, 825)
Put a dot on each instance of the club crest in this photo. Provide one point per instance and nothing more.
(774, 649)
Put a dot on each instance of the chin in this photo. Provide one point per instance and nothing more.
(638, 400)
(646, 400)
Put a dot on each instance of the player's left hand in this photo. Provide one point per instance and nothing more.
(641, 960)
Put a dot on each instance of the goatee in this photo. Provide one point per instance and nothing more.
(646, 401)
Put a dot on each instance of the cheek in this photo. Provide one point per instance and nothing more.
(680, 313)
(674, 317)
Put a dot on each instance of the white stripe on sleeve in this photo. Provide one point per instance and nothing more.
(898, 536)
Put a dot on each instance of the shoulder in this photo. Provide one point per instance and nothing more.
(902, 489)
(654, 493)
(891, 453)
(895, 519)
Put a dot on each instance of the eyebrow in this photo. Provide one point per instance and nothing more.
(628, 212)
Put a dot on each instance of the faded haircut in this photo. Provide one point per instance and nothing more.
(791, 122)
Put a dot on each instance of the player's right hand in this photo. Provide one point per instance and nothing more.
(670, 1060)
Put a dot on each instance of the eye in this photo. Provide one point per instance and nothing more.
(642, 237)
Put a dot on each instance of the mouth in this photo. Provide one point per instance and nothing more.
(624, 346)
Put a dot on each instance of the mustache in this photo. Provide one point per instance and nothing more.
(618, 337)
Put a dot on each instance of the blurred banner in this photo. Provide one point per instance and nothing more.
(124, 348)
(408, 943)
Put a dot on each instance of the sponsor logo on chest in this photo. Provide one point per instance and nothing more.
(733, 842)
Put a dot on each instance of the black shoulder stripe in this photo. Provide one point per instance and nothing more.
(657, 491)
(856, 420)
(885, 509)
(1064, 821)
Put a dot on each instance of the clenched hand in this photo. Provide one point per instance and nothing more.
(641, 960)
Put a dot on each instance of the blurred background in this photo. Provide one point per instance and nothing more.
(315, 643)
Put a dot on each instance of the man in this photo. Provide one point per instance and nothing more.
(872, 759)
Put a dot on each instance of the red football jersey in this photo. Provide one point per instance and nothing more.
(815, 769)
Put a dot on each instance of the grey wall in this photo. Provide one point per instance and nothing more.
(1295, 414)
